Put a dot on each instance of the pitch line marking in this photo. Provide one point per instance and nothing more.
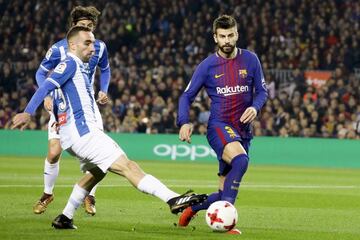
(266, 186)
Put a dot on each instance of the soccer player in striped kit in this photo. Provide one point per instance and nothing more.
(80, 135)
(234, 81)
(81, 16)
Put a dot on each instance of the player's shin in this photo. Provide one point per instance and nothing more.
(76, 198)
(151, 185)
(239, 166)
(51, 172)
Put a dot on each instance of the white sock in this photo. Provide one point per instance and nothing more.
(153, 186)
(93, 190)
(51, 172)
(76, 198)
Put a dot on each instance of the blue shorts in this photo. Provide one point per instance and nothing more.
(220, 134)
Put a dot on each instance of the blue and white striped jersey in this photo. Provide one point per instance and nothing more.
(75, 107)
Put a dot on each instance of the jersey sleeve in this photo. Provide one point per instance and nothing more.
(192, 89)
(61, 74)
(261, 93)
(104, 68)
(51, 59)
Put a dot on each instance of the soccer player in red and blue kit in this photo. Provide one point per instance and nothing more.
(234, 81)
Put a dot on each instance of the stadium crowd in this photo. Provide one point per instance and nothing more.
(154, 47)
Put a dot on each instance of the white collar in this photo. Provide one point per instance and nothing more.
(76, 58)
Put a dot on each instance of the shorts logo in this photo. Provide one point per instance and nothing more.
(243, 73)
(230, 131)
(62, 118)
(48, 54)
(60, 68)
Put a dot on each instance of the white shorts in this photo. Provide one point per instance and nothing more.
(96, 149)
(52, 133)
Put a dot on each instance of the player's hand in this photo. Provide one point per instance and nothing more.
(48, 104)
(21, 120)
(102, 98)
(249, 115)
(186, 132)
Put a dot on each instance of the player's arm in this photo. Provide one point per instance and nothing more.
(185, 101)
(105, 74)
(51, 59)
(62, 73)
(260, 97)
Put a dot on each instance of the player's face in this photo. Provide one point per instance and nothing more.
(86, 23)
(226, 39)
(84, 45)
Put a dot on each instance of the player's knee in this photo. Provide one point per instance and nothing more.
(132, 166)
(54, 151)
(53, 155)
(232, 150)
(97, 174)
(240, 162)
(124, 166)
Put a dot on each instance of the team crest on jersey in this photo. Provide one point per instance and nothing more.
(243, 73)
(48, 54)
(230, 131)
(60, 68)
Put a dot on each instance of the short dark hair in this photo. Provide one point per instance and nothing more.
(84, 13)
(73, 31)
(225, 22)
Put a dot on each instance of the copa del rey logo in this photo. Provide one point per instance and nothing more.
(232, 90)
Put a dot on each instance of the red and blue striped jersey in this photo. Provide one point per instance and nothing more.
(232, 85)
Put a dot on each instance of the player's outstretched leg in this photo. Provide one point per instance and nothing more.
(190, 212)
(151, 185)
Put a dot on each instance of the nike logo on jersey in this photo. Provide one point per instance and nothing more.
(219, 75)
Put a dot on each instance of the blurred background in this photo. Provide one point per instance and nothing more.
(309, 51)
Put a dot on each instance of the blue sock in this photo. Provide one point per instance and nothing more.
(239, 166)
(216, 196)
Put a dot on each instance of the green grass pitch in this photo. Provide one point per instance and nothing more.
(275, 202)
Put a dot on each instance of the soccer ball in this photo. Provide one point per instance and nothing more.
(221, 216)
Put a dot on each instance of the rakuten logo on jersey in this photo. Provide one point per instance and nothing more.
(227, 91)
